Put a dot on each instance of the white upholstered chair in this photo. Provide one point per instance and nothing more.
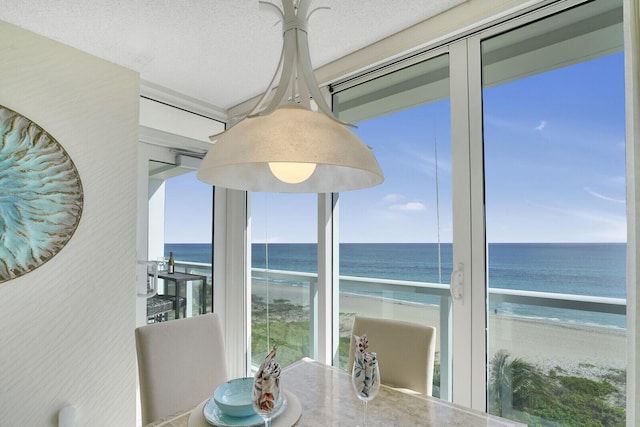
(180, 364)
(405, 352)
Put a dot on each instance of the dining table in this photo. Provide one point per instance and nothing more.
(322, 395)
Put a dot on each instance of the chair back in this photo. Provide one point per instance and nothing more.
(180, 363)
(405, 352)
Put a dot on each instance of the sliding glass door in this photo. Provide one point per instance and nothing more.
(395, 252)
(504, 160)
(554, 185)
(504, 164)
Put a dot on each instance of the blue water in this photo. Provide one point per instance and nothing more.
(596, 269)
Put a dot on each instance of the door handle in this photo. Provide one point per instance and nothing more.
(456, 286)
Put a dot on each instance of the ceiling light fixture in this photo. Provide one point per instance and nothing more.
(285, 146)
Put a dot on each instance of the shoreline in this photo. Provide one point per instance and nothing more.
(549, 344)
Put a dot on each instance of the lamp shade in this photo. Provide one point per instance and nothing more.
(240, 157)
(286, 147)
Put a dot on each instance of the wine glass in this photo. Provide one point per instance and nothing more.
(162, 264)
(267, 405)
(365, 379)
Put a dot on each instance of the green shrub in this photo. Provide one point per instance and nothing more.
(520, 391)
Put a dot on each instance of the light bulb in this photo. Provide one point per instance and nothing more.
(292, 173)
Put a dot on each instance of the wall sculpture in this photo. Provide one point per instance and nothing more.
(41, 196)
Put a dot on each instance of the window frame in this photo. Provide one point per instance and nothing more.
(469, 365)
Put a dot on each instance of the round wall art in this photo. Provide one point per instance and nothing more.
(41, 196)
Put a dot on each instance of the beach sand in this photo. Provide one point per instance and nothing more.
(547, 343)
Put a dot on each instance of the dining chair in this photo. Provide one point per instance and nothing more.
(180, 363)
(405, 352)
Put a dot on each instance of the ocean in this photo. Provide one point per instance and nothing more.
(594, 269)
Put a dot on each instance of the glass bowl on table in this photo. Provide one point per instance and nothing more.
(215, 417)
(234, 397)
(231, 402)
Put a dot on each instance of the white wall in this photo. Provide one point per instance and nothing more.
(66, 328)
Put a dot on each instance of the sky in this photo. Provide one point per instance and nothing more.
(554, 171)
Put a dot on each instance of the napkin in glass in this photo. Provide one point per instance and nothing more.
(266, 383)
(364, 363)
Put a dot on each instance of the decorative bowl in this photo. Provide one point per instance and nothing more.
(234, 397)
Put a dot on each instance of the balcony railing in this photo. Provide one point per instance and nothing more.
(372, 286)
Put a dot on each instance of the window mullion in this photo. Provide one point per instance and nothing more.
(478, 267)
(325, 302)
(462, 322)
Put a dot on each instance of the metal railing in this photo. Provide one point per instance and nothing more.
(533, 298)
(374, 285)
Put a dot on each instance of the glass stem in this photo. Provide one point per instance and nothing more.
(364, 419)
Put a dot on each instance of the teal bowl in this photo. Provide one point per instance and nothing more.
(234, 397)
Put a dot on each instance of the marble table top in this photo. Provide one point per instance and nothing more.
(327, 399)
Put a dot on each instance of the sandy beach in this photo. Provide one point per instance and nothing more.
(548, 344)
(531, 339)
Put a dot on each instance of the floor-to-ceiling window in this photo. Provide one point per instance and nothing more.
(188, 225)
(525, 266)
(180, 223)
(395, 249)
(283, 275)
(554, 177)
(177, 208)
(549, 216)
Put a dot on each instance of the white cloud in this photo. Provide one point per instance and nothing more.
(541, 126)
(395, 202)
(408, 207)
(603, 197)
(583, 224)
(393, 198)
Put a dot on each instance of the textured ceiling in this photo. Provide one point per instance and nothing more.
(221, 52)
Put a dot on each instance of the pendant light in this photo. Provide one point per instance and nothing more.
(283, 145)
